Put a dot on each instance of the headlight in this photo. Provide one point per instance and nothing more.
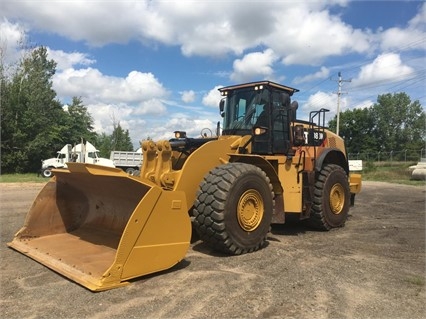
(259, 131)
(180, 134)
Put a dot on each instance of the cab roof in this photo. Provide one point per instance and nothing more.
(287, 89)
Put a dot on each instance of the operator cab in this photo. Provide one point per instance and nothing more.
(261, 109)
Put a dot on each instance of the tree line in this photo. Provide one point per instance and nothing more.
(35, 124)
(393, 124)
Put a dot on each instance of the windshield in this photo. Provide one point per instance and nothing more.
(93, 154)
(242, 110)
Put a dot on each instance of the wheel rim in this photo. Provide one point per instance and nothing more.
(250, 210)
(337, 199)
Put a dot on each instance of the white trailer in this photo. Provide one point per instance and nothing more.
(127, 161)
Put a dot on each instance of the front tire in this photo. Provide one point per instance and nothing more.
(233, 208)
(47, 173)
(331, 198)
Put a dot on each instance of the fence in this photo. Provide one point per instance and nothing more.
(406, 155)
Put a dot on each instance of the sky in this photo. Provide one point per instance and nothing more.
(155, 66)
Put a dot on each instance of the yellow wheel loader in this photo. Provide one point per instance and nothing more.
(102, 227)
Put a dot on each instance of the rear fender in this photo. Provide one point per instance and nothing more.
(332, 156)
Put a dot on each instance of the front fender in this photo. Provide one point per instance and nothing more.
(262, 163)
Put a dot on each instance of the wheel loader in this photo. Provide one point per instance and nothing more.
(101, 227)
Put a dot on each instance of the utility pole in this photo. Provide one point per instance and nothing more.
(339, 92)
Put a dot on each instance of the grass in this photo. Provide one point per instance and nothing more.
(22, 178)
(416, 280)
(391, 172)
(394, 172)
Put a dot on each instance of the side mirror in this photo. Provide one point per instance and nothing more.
(293, 108)
(298, 135)
(285, 99)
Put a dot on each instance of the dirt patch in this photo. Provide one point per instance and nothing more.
(374, 267)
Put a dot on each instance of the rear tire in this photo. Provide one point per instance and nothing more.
(233, 208)
(331, 198)
(136, 173)
(130, 170)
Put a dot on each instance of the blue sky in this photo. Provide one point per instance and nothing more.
(155, 66)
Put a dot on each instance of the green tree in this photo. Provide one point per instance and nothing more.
(400, 123)
(32, 119)
(394, 123)
(120, 139)
(356, 127)
(104, 145)
(34, 124)
(79, 123)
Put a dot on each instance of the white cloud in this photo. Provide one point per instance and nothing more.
(419, 21)
(409, 38)
(12, 40)
(80, 20)
(188, 96)
(385, 68)
(213, 97)
(405, 39)
(152, 106)
(321, 74)
(94, 86)
(363, 104)
(309, 36)
(402, 39)
(192, 127)
(320, 100)
(254, 66)
(66, 60)
(148, 118)
(132, 101)
(105, 115)
(303, 32)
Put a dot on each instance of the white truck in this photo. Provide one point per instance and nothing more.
(127, 161)
(81, 153)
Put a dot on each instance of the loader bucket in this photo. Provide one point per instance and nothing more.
(100, 227)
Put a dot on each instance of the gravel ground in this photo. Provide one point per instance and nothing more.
(374, 267)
